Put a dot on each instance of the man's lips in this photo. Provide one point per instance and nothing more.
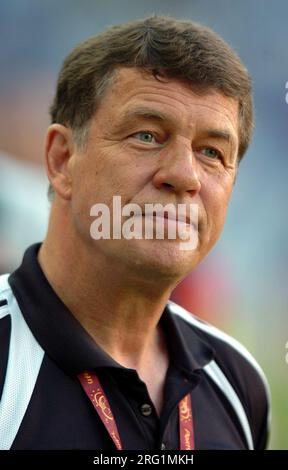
(183, 215)
(174, 218)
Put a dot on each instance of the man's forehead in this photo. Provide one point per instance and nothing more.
(135, 88)
(131, 80)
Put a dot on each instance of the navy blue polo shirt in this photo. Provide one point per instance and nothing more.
(229, 396)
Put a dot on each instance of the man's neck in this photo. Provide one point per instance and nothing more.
(120, 314)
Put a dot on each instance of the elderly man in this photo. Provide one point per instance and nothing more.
(156, 111)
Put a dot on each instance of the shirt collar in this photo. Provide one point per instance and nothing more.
(64, 339)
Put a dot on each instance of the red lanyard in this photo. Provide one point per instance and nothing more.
(95, 393)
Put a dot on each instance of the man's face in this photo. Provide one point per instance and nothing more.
(156, 141)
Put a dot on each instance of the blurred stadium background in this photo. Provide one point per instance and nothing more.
(242, 285)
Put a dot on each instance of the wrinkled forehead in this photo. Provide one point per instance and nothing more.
(135, 93)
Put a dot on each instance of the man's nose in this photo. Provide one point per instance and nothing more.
(178, 170)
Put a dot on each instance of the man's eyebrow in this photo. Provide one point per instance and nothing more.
(146, 112)
(220, 134)
(143, 112)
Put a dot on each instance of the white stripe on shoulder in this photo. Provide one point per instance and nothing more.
(216, 374)
(4, 282)
(213, 331)
(25, 359)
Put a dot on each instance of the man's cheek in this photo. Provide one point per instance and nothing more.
(216, 220)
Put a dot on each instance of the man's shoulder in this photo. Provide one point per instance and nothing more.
(225, 346)
(237, 364)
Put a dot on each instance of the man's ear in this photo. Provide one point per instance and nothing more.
(59, 148)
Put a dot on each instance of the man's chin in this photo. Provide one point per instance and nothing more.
(162, 259)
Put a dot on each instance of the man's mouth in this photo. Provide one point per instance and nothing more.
(170, 217)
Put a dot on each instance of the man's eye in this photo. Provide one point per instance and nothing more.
(211, 153)
(144, 136)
